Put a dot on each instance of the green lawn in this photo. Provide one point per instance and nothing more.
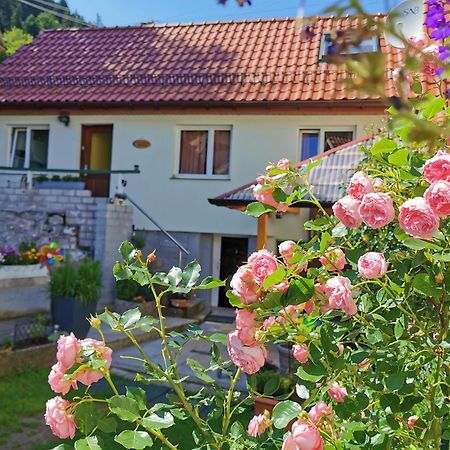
(22, 406)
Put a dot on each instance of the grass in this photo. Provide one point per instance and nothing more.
(22, 404)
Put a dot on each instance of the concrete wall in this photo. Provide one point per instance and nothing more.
(80, 223)
(179, 204)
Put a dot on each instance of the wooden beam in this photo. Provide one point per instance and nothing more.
(261, 237)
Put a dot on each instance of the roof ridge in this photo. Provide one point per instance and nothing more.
(203, 23)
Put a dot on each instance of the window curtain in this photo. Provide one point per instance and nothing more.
(221, 152)
(193, 152)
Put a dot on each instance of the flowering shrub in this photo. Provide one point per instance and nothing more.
(363, 306)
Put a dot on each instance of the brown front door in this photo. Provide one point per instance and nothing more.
(96, 145)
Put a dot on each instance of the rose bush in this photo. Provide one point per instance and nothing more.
(363, 304)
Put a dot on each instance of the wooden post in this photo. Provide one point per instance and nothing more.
(261, 237)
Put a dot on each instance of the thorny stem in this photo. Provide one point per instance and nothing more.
(227, 410)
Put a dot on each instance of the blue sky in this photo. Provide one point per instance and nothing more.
(131, 12)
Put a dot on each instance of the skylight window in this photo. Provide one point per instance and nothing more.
(332, 47)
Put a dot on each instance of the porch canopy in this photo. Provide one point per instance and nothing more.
(327, 180)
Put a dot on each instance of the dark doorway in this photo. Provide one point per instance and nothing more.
(233, 253)
(96, 145)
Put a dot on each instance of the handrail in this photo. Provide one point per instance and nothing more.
(79, 171)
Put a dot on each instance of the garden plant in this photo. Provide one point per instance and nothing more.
(363, 304)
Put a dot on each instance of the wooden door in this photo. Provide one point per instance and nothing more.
(233, 253)
(96, 146)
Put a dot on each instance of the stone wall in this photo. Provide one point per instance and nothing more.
(81, 224)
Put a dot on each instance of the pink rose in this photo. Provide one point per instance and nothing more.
(377, 209)
(430, 66)
(244, 286)
(283, 164)
(246, 326)
(301, 353)
(341, 348)
(263, 263)
(56, 417)
(264, 195)
(412, 421)
(359, 186)
(101, 351)
(334, 259)
(248, 358)
(281, 287)
(319, 411)
(338, 290)
(259, 424)
(337, 393)
(378, 183)
(304, 437)
(347, 211)
(286, 250)
(269, 322)
(56, 382)
(438, 198)
(372, 265)
(418, 219)
(437, 168)
(67, 353)
(309, 306)
(419, 40)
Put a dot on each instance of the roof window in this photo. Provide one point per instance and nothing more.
(335, 46)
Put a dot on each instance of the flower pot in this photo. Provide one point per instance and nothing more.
(71, 315)
(180, 302)
(263, 403)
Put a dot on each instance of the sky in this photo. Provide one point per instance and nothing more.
(133, 12)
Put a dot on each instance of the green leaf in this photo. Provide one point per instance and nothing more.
(274, 278)
(398, 330)
(121, 272)
(303, 375)
(256, 209)
(444, 257)
(174, 276)
(302, 391)
(272, 385)
(340, 230)
(324, 242)
(138, 394)
(107, 425)
(395, 381)
(86, 417)
(399, 158)
(384, 145)
(125, 408)
(145, 323)
(300, 291)
(210, 283)
(155, 422)
(106, 317)
(234, 299)
(236, 430)
(130, 317)
(132, 439)
(284, 412)
(199, 371)
(126, 250)
(418, 244)
(63, 447)
(191, 273)
(432, 106)
(219, 337)
(88, 443)
(425, 285)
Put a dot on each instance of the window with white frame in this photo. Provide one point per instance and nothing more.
(204, 151)
(315, 141)
(29, 147)
(344, 46)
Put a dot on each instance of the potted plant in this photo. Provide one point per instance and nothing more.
(58, 182)
(74, 293)
(268, 387)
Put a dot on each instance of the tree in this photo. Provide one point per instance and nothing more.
(31, 26)
(14, 39)
(47, 21)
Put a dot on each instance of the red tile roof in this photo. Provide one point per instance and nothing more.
(248, 61)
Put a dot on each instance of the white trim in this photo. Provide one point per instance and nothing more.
(13, 132)
(209, 175)
(323, 55)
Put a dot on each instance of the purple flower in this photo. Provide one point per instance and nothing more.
(436, 20)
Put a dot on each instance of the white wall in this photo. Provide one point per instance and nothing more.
(180, 204)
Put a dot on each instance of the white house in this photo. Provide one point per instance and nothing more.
(201, 108)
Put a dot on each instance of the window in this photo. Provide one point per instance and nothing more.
(204, 151)
(29, 147)
(313, 142)
(342, 46)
